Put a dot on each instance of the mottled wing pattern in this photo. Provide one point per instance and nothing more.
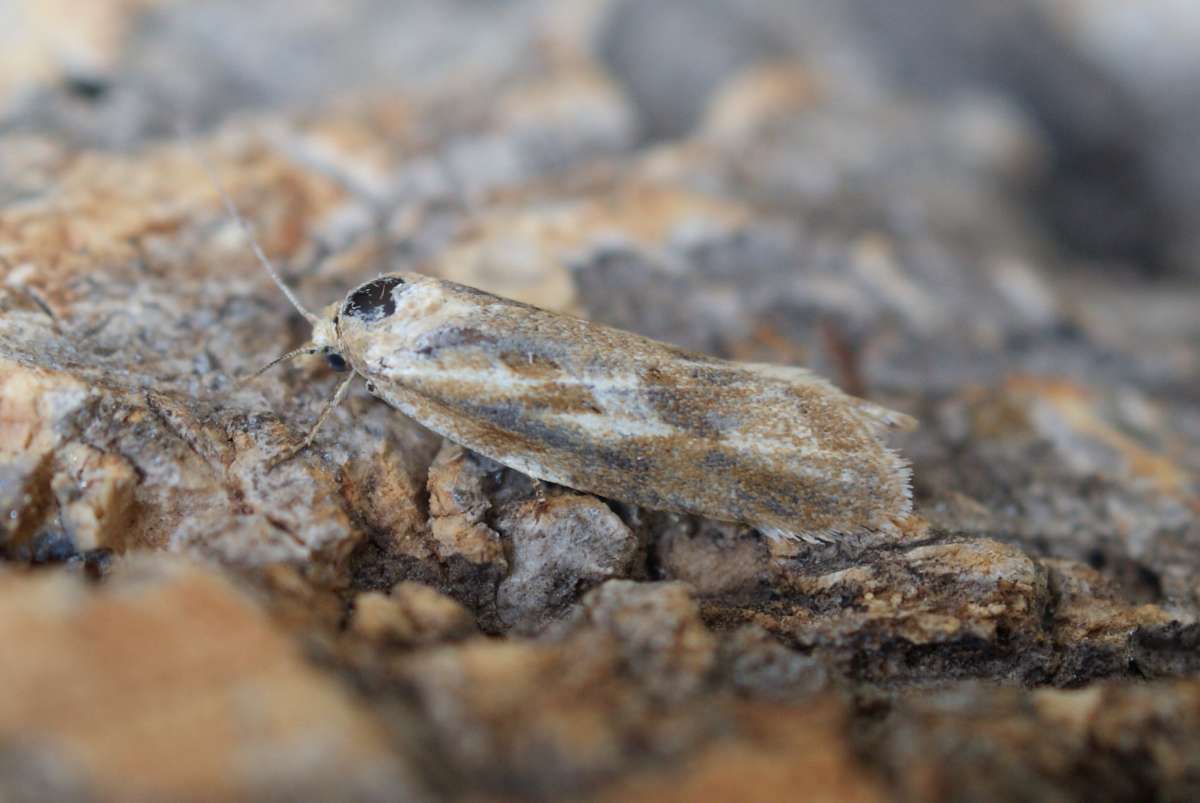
(616, 414)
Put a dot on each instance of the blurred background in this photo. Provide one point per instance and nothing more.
(1103, 94)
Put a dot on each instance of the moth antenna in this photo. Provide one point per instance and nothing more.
(305, 349)
(248, 232)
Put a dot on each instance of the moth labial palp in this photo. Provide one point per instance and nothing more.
(612, 413)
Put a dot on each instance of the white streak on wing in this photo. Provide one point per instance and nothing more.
(502, 382)
(791, 374)
(620, 418)
(620, 426)
(624, 415)
(608, 425)
(507, 380)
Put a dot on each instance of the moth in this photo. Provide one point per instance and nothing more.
(612, 413)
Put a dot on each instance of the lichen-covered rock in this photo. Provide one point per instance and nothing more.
(469, 552)
(94, 494)
(947, 610)
(561, 546)
(1107, 486)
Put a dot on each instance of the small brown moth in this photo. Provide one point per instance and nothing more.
(612, 413)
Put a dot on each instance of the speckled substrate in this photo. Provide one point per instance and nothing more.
(392, 617)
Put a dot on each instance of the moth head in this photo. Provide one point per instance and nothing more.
(326, 340)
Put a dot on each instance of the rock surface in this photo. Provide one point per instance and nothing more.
(164, 682)
(389, 616)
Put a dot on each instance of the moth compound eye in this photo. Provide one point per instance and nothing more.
(373, 301)
(337, 362)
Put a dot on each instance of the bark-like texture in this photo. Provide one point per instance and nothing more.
(388, 616)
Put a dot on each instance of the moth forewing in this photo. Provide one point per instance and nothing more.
(616, 414)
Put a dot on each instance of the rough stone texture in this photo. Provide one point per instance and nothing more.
(388, 616)
(560, 547)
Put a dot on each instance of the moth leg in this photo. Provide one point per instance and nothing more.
(330, 406)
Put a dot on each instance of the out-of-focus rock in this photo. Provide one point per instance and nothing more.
(411, 614)
(1098, 635)
(1114, 93)
(658, 633)
(1152, 60)
(1108, 486)
(800, 752)
(993, 744)
(538, 716)
(38, 48)
(167, 682)
(760, 666)
(541, 252)
(514, 715)
(716, 560)
(307, 609)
